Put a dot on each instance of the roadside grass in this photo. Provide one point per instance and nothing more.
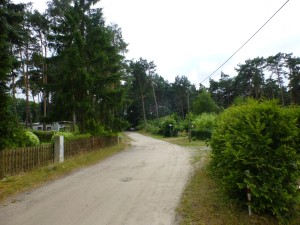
(24, 181)
(204, 203)
(182, 141)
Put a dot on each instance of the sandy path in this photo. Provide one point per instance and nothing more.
(140, 186)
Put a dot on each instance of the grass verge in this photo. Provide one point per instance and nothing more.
(203, 202)
(182, 141)
(35, 178)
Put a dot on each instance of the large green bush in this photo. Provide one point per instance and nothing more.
(151, 126)
(262, 138)
(23, 138)
(31, 139)
(169, 126)
(203, 126)
(95, 128)
(44, 136)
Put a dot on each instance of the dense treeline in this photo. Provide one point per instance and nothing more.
(70, 65)
(66, 58)
(274, 77)
(152, 97)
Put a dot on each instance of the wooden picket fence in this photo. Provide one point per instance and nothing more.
(14, 161)
(75, 147)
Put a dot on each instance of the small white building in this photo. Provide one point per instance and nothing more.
(61, 125)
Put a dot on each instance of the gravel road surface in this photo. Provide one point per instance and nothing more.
(139, 186)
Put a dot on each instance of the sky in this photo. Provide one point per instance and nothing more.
(194, 37)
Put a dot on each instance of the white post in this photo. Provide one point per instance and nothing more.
(249, 194)
(249, 200)
(58, 149)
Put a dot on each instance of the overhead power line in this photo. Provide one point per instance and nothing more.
(246, 41)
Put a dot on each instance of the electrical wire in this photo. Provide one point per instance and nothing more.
(245, 42)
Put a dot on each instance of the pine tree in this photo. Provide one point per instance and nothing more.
(9, 13)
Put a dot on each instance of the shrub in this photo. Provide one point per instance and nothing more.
(67, 135)
(31, 139)
(44, 136)
(95, 128)
(203, 126)
(168, 126)
(259, 137)
(22, 138)
(151, 126)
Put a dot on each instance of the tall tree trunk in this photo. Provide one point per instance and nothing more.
(143, 106)
(280, 85)
(28, 113)
(74, 116)
(44, 89)
(281, 89)
(14, 94)
(155, 101)
(25, 85)
(142, 98)
(181, 106)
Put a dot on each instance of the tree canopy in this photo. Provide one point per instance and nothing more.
(70, 65)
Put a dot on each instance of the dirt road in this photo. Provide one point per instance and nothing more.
(140, 186)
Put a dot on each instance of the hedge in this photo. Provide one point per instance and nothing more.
(262, 138)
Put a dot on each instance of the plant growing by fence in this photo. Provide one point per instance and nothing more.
(259, 137)
(31, 139)
(44, 136)
(67, 135)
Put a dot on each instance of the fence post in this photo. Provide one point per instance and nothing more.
(58, 149)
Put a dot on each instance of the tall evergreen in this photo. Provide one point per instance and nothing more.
(9, 14)
(87, 66)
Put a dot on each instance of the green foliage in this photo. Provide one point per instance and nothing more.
(44, 136)
(168, 126)
(18, 107)
(87, 68)
(262, 138)
(31, 139)
(79, 136)
(203, 126)
(66, 134)
(7, 18)
(22, 138)
(96, 128)
(150, 126)
(204, 104)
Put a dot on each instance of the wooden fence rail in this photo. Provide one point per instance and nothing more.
(14, 161)
(75, 147)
